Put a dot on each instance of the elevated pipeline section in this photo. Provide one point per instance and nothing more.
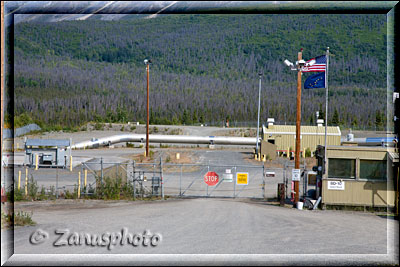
(173, 139)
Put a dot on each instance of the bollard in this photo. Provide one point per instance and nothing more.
(17, 146)
(264, 158)
(85, 178)
(79, 184)
(26, 183)
(288, 153)
(255, 156)
(70, 163)
(36, 162)
(19, 180)
(178, 156)
(259, 156)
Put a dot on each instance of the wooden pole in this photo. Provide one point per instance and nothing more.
(298, 125)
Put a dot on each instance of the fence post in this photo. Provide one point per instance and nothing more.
(180, 184)
(101, 175)
(85, 180)
(57, 182)
(234, 184)
(79, 185)
(263, 184)
(208, 169)
(134, 179)
(117, 175)
(162, 179)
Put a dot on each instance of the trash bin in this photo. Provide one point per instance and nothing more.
(299, 205)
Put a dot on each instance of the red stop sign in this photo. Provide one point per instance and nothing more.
(211, 178)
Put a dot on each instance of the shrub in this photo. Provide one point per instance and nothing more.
(42, 195)
(32, 188)
(69, 195)
(18, 194)
(23, 218)
(98, 126)
(308, 152)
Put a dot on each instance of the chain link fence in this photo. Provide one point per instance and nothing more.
(116, 180)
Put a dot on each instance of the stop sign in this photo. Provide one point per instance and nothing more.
(211, 178)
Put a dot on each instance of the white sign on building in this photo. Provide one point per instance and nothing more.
(335, 185)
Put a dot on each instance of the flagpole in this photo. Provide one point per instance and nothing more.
(326, 105)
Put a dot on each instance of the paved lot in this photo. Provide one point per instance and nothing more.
(208, 226)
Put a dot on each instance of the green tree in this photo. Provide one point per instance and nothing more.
(335, 118)
(378, 120)
(321, 113)
(354, 123)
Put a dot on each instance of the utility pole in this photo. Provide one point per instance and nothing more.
(258, 121)
(298, 125)
(147, 62)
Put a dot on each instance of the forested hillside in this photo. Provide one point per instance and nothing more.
(205, 69)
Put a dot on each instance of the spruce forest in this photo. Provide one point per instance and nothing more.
(205, 70)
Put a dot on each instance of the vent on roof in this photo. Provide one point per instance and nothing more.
(270, 122)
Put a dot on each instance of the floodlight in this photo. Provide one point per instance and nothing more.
(312, 62)
(147, 61)
(288, 63)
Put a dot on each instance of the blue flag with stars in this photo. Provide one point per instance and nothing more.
(315, 81)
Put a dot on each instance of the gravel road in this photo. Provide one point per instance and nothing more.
(207, 226)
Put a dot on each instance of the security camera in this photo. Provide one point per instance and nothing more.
(300, 63)
(288, 63)
(309, 64)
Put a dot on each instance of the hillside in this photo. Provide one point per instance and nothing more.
(205, 69)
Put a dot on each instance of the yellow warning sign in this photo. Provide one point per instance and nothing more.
(242, 178)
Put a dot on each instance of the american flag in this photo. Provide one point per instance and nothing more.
(319, 65)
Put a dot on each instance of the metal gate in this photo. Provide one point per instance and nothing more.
(187, 180)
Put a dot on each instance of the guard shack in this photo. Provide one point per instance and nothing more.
(358, 176)
(48, 152)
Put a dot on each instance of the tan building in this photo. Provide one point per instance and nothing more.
(359, 176)
(284, 136)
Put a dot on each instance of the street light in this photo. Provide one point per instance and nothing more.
(147, 62)
(258, 121)
(300, 63)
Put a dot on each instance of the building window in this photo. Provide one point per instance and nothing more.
(342, 168)
(373, 169)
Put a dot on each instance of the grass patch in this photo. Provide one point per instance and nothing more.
(20, 218)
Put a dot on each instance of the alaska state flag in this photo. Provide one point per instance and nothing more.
(315, 81)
